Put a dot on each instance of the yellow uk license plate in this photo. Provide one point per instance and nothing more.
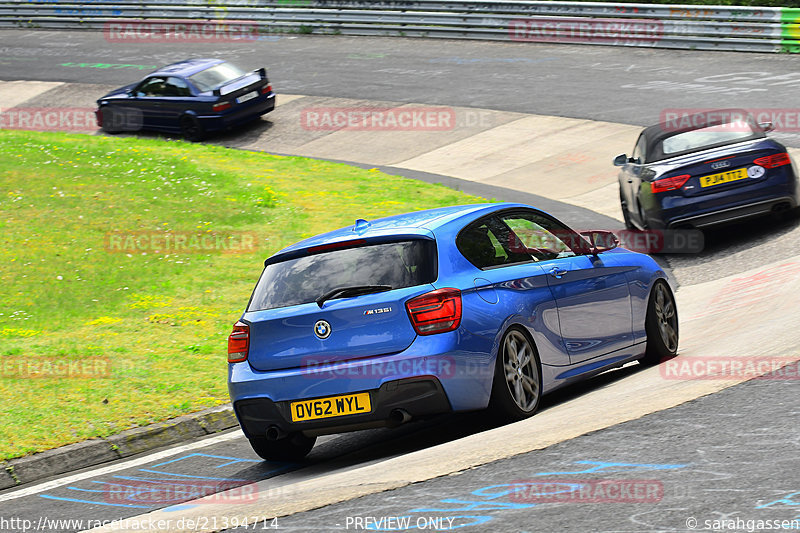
(723, 177)
(348, 404)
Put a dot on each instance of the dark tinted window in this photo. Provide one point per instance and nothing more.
(303, 280)
(486, 244)
(152, 87)
(176, 87)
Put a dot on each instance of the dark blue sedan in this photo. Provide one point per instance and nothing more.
(193, 97)
(452, 309)
(705, 169)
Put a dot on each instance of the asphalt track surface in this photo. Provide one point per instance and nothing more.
(737, 449)
(615, 84)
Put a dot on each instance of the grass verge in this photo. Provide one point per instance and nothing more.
(125, 262)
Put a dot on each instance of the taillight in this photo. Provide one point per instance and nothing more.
(238, 343)
(222, 106)
(669, 184)
(98, 115)
(435, 312)
(266, 89)
(772, 161)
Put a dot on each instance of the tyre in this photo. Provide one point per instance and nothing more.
(661, 325)
(110, 120)
(517, 384)
(291, 448)
(191, 128)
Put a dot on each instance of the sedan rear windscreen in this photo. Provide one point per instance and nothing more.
(304, 279)
(216, 76)
(707, 137)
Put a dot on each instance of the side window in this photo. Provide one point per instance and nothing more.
(639, 150)
(176, 87)
(541, 237)
(152, 87)
(485, 244)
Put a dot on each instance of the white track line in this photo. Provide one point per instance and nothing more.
(41, 487)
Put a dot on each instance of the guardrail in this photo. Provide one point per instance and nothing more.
(754, 29)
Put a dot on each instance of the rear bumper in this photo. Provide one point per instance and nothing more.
(418, 397)
(252, 110)
(732, 214)
(727, 205)
(452, 379)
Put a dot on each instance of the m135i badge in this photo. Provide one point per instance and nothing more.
(378, 311)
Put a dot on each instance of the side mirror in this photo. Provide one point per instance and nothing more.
(620, 160)
(766, 126)
(601, 240)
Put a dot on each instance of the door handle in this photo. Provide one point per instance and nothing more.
(557, 272)
(630, 180)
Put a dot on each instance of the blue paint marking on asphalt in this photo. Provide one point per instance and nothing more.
(191, 476)
(786, 500)
(231, 460)
(139, 482)
(491, 492)
(49, 497)
(175, 508)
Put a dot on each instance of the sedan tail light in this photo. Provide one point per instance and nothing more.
(669, 184)
(437, 311)
(772, 161)
(266, 89)
(222, 106)
(239, 343)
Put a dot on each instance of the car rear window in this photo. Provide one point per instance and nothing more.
(216, 76)
(304, 279)
(706, 137)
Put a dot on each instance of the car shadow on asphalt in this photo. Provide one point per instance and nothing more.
(343, 451)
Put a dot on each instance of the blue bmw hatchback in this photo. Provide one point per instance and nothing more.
(194, 97)
(452, 309)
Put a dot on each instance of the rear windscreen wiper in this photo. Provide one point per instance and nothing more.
(357, 290)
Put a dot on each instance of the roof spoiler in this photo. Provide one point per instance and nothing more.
(262, 73)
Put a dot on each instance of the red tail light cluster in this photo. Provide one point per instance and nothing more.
(438, 311)
(222, 106)
(669, 184)
(266, 89)
(772, 161)
(239, 343)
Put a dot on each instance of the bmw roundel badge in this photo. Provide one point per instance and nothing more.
(322, 329)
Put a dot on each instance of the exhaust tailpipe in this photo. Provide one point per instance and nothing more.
(398, 417)
(275, 433)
